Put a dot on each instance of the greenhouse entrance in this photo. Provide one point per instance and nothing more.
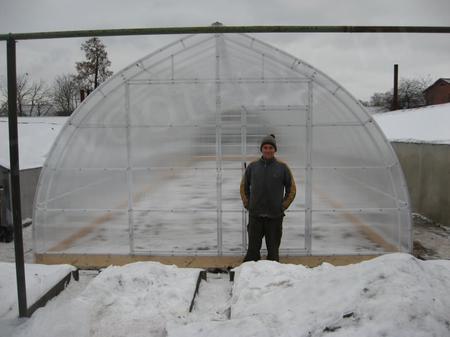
(150, 163)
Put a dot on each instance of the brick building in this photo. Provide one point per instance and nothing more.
(438, 92)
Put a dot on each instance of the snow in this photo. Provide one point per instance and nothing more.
(36, 136)
(134, 300)
(428, 124)
(213, 300)
(39, 280)
(392, 295)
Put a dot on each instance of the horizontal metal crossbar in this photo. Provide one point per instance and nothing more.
(250, 80)
(213, 210)
(223, 125)
(223, 29)
(205, 168)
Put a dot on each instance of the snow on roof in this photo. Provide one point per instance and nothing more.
(36, 136)
(446, 80)
(428, 124)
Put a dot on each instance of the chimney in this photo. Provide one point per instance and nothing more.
(395, 97)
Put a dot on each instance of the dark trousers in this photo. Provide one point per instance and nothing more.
(271, 230)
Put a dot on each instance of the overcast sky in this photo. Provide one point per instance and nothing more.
(362, 63)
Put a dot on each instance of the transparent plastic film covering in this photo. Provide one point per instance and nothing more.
(151, 162)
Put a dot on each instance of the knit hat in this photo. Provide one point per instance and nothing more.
(270, 139)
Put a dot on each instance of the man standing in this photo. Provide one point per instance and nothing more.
(267, 190)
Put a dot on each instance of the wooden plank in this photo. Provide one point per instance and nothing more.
(94, 261)
(53, 292)
(201, 276)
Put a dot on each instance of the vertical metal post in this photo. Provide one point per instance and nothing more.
(172, 68)
(395, 97)
(308, 174)
(15, 177)
(129, 172)
(218, 149)
(243, 167)
(262, 66)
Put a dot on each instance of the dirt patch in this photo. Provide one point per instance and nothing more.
(431, 239)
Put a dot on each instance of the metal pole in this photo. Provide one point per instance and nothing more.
(219, 157)
(130, 184)
(15, 176)
(395, 98)
(217, 29)
(308, 172)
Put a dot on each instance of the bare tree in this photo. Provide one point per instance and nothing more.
(3, 100)
(23, 91)
(65, 94)
(32, 97)
(94, 70)
(39, 100)
(410, 94)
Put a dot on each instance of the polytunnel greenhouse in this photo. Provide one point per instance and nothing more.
(150, 163)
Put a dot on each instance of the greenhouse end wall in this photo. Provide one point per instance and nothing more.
(150, 163)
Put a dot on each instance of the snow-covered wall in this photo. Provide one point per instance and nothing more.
(428, 124)
(421, 139)
(36, 136)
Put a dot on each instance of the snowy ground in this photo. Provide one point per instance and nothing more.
(431, 240)
(40, 279)
(393, 295)
(292, 289)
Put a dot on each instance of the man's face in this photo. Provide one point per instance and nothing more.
(268, 151)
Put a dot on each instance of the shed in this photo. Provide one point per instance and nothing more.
(438, 92)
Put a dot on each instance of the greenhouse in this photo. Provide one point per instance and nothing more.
(150, 163)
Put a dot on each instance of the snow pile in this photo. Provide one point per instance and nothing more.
(39, 280)
(134, 300)
(36, 136)
(429, 124)
(393, 295)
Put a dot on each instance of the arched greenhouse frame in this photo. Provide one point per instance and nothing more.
(149, 165)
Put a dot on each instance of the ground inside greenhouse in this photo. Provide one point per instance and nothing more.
(393, 295)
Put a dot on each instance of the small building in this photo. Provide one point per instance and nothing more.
(438, 92)
(28, 182)
(36, 136)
